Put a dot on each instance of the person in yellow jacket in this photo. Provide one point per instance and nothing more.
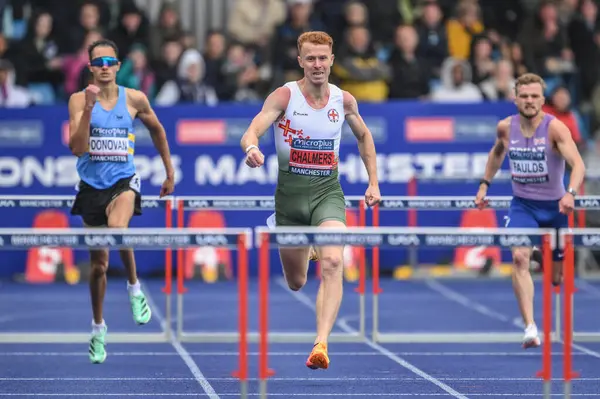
(462, 28)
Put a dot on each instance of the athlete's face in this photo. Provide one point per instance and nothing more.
(104, 64)
(529, 100)
(316, 60)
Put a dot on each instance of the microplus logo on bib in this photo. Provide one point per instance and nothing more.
(109, 144)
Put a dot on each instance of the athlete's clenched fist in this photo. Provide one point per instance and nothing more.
(254, 158)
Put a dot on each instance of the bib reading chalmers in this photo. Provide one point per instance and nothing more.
(312, 157)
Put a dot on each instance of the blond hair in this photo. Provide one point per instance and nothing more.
(315, 37)
(528, 79)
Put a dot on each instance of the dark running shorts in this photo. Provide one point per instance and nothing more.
(91, 202)
(534, 214)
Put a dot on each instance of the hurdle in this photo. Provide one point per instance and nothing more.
(66, 202)
(447, 203)
(390, 237)
(259, 203)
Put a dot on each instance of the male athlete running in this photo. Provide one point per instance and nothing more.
(537, 145)
(102, 137)
(307, 116)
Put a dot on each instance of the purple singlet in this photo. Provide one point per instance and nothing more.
(537, 169)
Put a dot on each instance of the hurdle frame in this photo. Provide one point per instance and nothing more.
(243, 203)
(244, 244)
(66, 202)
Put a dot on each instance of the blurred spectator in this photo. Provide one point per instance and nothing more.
(355, 13)
(89, 20)
(463, 27)
(384, 17)
(168, 28)
(73, 65)
(559, 105)
(517, 59)
(39, 53)
(358, 69)
(410, 73)
(584, 36)
(500, 86)
(253, 22)
(165, 68)
(502, 18)
(456, 83)
(285, 43)
(544, 42)
(189, 86)
(132, 29)
(481, 61)
(10, 52)
(11, 95)
(433, 40)
(240, 75)
(135, 72)
(214, 58)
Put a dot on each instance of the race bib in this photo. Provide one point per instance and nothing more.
(109, 145)
(528, 166)
(312, 157)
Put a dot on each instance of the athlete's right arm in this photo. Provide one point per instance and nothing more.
(80, 115)
(498, 151)
(275, 104)
(495, 159)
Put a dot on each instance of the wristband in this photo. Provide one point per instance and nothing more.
(483, 181)
(250, 147)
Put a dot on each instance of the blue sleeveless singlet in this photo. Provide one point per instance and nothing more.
(109, 157)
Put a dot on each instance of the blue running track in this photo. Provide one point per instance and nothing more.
(359, 370)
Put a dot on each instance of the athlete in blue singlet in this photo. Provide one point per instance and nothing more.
(537, 145)
(102, 137)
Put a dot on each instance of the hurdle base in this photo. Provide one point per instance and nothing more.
(450, 338)
(76, 338)
(274, 337)
(586, 337)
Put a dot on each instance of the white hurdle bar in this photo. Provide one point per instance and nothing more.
(406, 203)
(258, 203)
(394, 237)
(137, 238)
(66, 202)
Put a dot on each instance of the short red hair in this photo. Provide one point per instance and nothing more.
(315, 37)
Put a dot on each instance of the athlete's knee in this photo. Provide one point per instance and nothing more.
(99, 263)
(296, 282)
(521, 258)
(331, 264)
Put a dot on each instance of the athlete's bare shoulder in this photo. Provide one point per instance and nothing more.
(278, 100)
(503, 128)
(350, 103)
(76, 102)
(136, 99)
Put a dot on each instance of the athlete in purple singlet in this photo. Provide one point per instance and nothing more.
(537, 145)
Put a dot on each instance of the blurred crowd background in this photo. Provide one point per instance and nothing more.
(216, 51)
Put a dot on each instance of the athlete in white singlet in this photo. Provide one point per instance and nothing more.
(308, 116)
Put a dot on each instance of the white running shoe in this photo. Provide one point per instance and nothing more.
(531, 338)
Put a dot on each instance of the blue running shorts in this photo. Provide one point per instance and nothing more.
(527, 213)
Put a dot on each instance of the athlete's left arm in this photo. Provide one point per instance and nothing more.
(366, 145)
(159, 137)
(561, 136)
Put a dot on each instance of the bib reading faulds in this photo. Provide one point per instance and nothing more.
(528, 165)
